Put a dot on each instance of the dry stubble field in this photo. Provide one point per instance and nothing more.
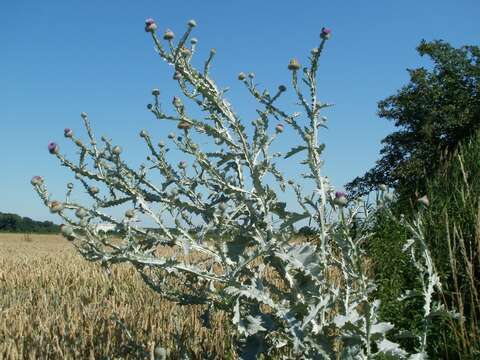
(56, 305)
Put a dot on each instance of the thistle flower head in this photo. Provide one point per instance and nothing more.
(192, 23)
(282, 88)
(84, 115)
(184, 125)
(53, 148)
(293, 65)
(66, 230)
(279, 128)
(182, 164)
(185, 51)
(171, 135)
(168, 35)
(70, 186)
(143, 134)
(326, 33)
(55, 206)
(68, 133)
(80, 213)
(242, 76)
(150, 25)
(117, 150)
(222, 206)
(340, 199)
(129, 214)
(37, 180)
(177, 102)
(155, 92)
(93, 190)
(161, 144)
(193, 41)
(383, 187)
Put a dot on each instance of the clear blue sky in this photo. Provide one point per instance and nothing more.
(59, 58)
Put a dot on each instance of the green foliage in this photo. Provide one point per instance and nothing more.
(452, 229)
(16, 223)
(394, 275)
(433, 113)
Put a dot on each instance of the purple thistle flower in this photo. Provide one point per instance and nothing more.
(53, 148)
(37, 180)
(68, 132)
(326, 33)
(340, 199)
(150, 25)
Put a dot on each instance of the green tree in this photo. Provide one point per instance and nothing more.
(433, 113)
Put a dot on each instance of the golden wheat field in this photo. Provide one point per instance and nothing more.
(56, 305)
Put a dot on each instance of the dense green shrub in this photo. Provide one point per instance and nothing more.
(452, 229)
(16, 223)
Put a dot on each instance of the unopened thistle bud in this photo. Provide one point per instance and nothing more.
(326, 33)
(222, 206)
(117, 150)
(161, 144)
(143, 134)
(193, 41)
(150, 25)
(184, 125)
(149, 106)
(185, 51)
(294, 65)
(241, 76)
(279, 128)
(251, 75)
(129, 214)
(55, 206)
(69, 186)
(171, 136)
(192, 23)
(84, 115)
(53, 148)
(80, 213)
(424, 200)
(177, 102)
(168, 35)
(93, 190)
(282, 88)
(36, 180)
(340, 199)
(182, 164)
(155, 92)
(67, 231)
(68, 133)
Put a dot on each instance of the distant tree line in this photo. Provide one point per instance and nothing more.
(16, 223)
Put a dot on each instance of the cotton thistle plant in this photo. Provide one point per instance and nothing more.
(278, 292)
